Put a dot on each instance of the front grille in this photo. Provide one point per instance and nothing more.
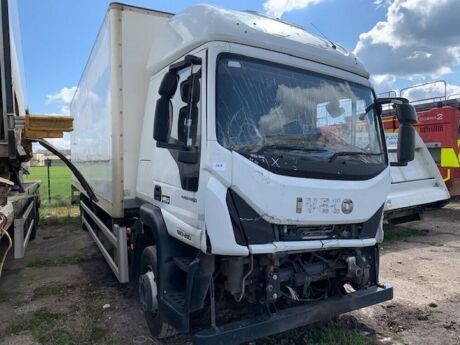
(319, 232)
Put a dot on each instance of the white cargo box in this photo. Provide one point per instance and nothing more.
(108, 106)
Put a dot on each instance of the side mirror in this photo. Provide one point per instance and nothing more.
(163, 120)
(406, 114)
(406, 144)
(407, 117)
(163, 110)
(187, 115)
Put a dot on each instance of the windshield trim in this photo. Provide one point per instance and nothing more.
(321, 170)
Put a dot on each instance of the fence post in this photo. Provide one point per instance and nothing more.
(48, 164)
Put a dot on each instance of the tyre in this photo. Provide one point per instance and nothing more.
(148, 289)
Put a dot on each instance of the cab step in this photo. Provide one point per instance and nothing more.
(186, 263)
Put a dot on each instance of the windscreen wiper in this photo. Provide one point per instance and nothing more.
(288, 147)
(352, 153)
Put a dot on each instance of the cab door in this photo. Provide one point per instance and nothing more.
(178, 129)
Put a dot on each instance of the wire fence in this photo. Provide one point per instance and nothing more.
(55, 192)
(55, 185)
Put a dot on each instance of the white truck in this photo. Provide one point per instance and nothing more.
(233, 161)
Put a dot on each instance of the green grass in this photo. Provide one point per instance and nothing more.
(334, 335)
(399, 233)
(54, 290)
(60, 182)
(56, 261)
(58, 211)
(35, 323)
(331, 335)
(60, 329)
(59, 215)
(81, 326)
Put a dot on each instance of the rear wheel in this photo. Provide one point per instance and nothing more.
(148, 295)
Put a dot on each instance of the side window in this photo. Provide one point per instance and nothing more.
(185, 109)
(177, 118)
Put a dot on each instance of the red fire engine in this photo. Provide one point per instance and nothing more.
(439, 127)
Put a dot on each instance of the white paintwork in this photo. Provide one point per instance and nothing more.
(274, 196)
(200, 24)
(417, 184)
(176, 227)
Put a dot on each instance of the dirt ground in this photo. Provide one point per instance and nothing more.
(64, 293)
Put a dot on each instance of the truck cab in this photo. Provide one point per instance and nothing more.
(290, 141)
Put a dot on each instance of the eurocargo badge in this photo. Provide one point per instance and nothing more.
(298, 207)
(347, 206)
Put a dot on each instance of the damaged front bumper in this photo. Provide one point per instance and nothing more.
(284, 320)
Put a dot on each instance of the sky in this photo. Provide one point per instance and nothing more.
(401, 42)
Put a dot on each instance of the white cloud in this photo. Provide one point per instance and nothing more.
(382, 3)
(419, 39)
(383, 82)
(276, 8)
(63, 97)
(61, 143)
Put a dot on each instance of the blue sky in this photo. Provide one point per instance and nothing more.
(57, 36)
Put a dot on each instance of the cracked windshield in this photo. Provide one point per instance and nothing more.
(272, 113)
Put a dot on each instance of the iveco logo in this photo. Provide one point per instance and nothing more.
(347, 206)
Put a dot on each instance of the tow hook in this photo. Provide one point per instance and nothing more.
(358, 272)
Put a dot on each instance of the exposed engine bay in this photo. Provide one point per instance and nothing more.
(299, 277)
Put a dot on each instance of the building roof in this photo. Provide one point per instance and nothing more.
(200, 24)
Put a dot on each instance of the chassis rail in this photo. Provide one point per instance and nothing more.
(262, 326)
(117, 239)
(25, 207)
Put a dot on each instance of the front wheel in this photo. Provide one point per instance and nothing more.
(148, 295)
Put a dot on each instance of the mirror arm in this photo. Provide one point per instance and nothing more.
(171, 146)
(188, 61)
(189, 155)
(392, 100)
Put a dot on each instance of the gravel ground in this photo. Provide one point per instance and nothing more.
(64, 293)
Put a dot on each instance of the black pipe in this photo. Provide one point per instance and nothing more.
(70, 165)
